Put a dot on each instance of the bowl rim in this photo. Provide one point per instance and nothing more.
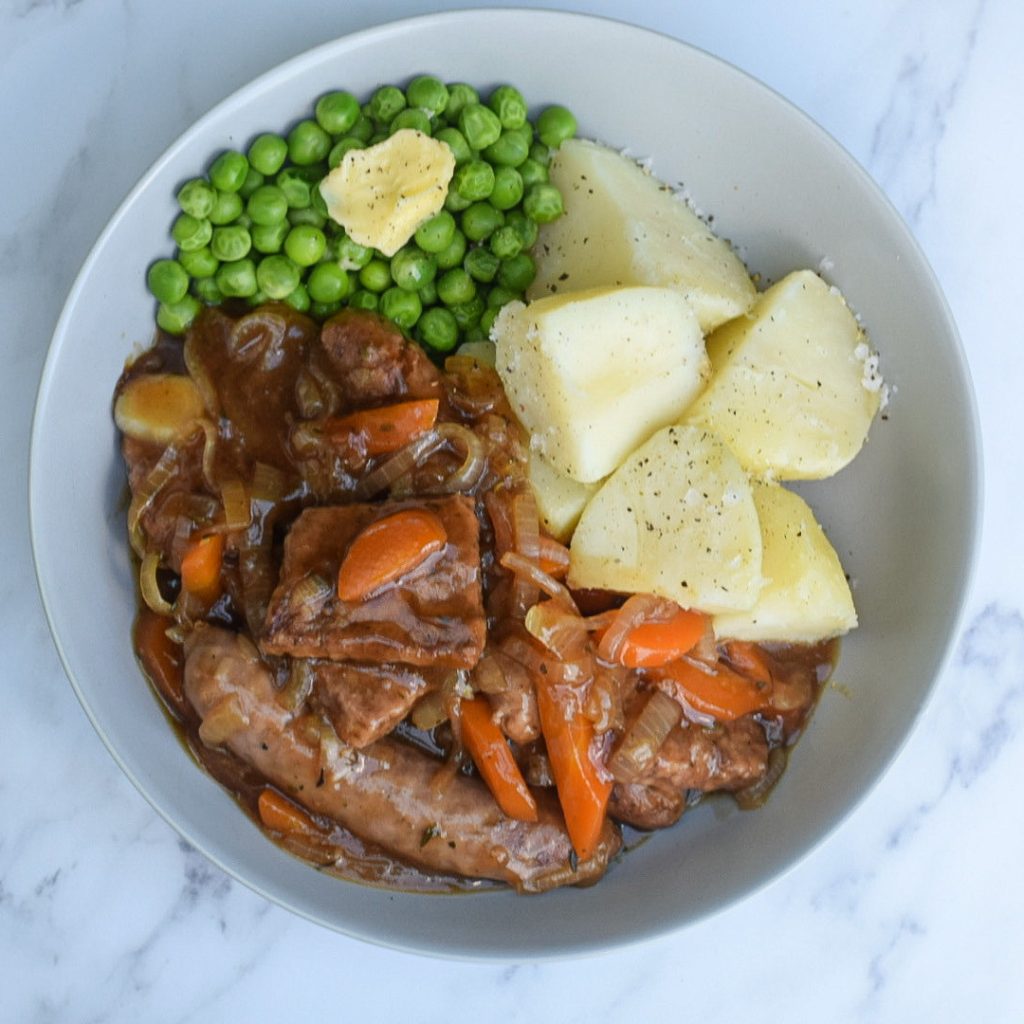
(374, 35)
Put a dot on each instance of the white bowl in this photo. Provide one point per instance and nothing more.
(903, 516)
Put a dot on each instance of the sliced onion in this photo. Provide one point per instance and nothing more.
(549, 550)
(603, 705)
(635, 753)
(163, 471)
(222, 721)
(268, 483)
(327, 387)
(526, 537)
(754, 795)
(200, 377)
(467, 476)
(499, 512)
(488, 676)
(405, 459)
(296, 691)
(560, 631)
(253, 333)
(516, 563)
(209, 453)
(639, 608)
(149, 586)
(237, 507)
(308, 398)
(429, 712)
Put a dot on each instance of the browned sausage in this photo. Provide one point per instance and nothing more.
(382, 793)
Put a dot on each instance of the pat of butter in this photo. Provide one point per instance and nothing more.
(380, 195)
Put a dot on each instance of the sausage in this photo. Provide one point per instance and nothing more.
(382, 793)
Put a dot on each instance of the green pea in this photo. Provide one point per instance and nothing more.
(524, 227)
(292, 182)
(387, 101)
(456, 203)
(436, 233)
(508, 188)
(453, 254)
(490, 314)
(480, 125)
(199, 263)
(177, 317)
(456, 142)
(428, 294)
(253, 180)
(540, 152)
(473, 334)
(341, 147)
(455, 286)
(401, 307)
(268, 238)
(228, 171)
(352, 255)
(267, 153)
(362, 129)
(237, 279)
(517, 274)
(467, 314)
(308, 143)
(190, 233)
(427, 93)
(506, 243)
(499, 296)
(167, 281)
(363, 299)
(410, 118)
(460, 96)
(267, 205)
(230, 243)
(258, 298)
(412, 268)
(207, 291)
(511, 149)
(474, 180)
(299, 299)
(226, 208)
(308, 216)
(328, 283)
(196, 198)
(543, 203)
(317, 202)
(438, 329)
(377, 137)
(555, 125)
(376, 275)
(278, 276)
(481, 264)
(480, 220)
(532, 172)
(508, 103)
(323, 310)
(336, 112)
(305, 244)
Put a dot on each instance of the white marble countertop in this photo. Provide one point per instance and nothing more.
(912, 910)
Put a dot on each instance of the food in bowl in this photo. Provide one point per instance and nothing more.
(442, 621)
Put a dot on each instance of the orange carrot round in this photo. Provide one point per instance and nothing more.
(162, 659)
(721, 692)
(200, 567)
(493, 758)
(387, 550)
(386, 429)
(652, 644)
(280, 814)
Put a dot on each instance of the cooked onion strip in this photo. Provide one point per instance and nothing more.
(254, 332)
(296, 691)
(209, 453)
(516, 563)
(200, 377)
(636, 751)
(149, 586)
(165, 469)
(237, 507)
(429, 712)
(467, 476)
(637, 609)
(408, 458)
(561, 632)
(268, 483)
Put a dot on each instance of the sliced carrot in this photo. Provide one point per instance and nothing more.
(583, 794)
(162, 659)
(280, 814)
(652, 644)
(749, 660)
(387, 429)
(388, 549)
(493, 758)
(200, 567)
(553, 557)
(719, 692)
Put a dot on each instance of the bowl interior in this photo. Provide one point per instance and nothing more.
(903, 516)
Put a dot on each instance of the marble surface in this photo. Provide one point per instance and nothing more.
(912, 910)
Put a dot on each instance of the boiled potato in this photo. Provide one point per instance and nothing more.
(793, 388)
(593, 374)
(560, 500)
(806, 597)
(622, 226)
(676, 519)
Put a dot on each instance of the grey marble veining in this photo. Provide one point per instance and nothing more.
(911, 911)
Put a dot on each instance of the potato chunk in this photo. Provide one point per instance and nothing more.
(676, 519)
(806, 597)
(794, 387)
(622, 226)
(560, 499)
(593, 374)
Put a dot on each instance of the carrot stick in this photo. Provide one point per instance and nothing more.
(387, 429)
(388, 549)
(720, 692)
(281, 815)
(494, 760)
(162, 659)
(583, 794)
(200, 567)
(652, 644)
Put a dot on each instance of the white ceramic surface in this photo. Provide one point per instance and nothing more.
(903, 516)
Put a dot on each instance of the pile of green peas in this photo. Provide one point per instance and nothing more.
(256, 227)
